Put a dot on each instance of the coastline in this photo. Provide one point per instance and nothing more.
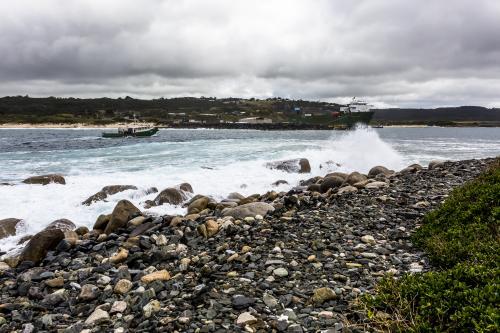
(303, 265)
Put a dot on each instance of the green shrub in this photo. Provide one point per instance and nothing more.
(462, 238)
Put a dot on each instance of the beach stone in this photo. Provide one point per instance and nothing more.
(106, 191)
(80, 231)
(118, 307)
(123, 212)
(377, 170)
(102, 221)
(322, 295)
(172, 196)
(4, 266)
(412, 168)
(270, 301)
(138, 220)
(151, 307)
(368, 239)
(45, 179)
(120, 256)
(61, 224)
(162, 275)
(88, 292)
(299, 165)
(281, 272)
(435, 164)
(186, 187)
(375, 185)
(212, 228)
(55, 282)
(97, 317)
(342, 175)
(38, 246)
(249, 210)
(331, 182)
(245, 318)
(8, 227)
(347, 189)
(280, 182)
(355, 177)
(198, 205)
(123, 286)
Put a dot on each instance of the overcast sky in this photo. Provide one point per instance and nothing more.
(389, 52)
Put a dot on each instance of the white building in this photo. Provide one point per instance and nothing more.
(255, 120)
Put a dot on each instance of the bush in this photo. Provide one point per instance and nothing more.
(462, 238)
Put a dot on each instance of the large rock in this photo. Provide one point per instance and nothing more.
(107, 190)
(102, 221)
(377, 170)
(355, 177)
(40, 244)
(337, 174)
(198, 205)
(249, 210)
(8, 227)
(122, 213)
(300, 165)
(45, 179)
(186, 187)
(436, 164)
(331, 182)
(171, 196)
(61, 224)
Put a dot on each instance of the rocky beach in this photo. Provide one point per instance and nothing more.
(294, 261)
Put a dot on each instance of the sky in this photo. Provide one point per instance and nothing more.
(406, 53)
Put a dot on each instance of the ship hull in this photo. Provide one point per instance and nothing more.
(138, 134)
(350, 120)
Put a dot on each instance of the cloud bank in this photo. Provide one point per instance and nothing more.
(390, 52)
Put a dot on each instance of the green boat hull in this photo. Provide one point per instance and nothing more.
(139, 134)
(351, 119)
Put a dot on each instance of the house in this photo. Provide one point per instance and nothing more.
(255, 120)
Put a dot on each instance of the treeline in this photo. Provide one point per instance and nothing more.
(438, 115)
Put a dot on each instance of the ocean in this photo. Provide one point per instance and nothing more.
(214, 162)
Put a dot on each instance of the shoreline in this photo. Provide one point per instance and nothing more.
(275, 126)
(300, 265)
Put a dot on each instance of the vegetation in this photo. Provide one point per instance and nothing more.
(462, 239)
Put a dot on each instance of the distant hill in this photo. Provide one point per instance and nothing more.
(449, 114)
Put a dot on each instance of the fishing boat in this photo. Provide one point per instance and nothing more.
(140, 131)
(357, 111)
(136, 130)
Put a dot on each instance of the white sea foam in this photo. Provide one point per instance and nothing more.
(233, 163)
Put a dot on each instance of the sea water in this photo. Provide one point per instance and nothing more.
(214, 162)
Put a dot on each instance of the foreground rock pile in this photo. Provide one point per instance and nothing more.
(278, 262)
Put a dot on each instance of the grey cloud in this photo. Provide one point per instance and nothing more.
(394, 52)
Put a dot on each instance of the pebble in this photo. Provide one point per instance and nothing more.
(123, 286)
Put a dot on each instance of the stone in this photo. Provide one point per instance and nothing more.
(330, 182)
(123, 212)
(270, 301)
(106, 191)
(123, 286)
(45, 179)
(281, 272)
(170, 195)
(88, 292)
(326, 314)
(322, 295)
(186, 187)
(355, 177)
(198, 205)
(8, 227)
(118, 307)
(280, 182)
(162, 275)
(102, 222)
(136, 221)
(435, 164)
(150, 308)
(55, 282)
(97, 317)
(38, 246)
(368, 239)
(120, 256)
(299, 165)
(347, 189)
(245, 318)
(248, 210)
(377, 170)
(61, 224)
(375, 185)
(212, 228)
(4, 266)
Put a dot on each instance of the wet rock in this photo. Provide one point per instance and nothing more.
(107, 191)
(45, 179)
(61, 224)
(38, 246)
(172, 196)
(102, 221)
(249, 210)
(347, 189)
(8, 227)
(280, 182)
(377, 170)
(331, 182)
(355, 177)
(435, 164)
(296, 165)
(122, 213)
(186, 187)
(198, 205)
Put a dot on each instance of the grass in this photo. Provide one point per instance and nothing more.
(462, 240)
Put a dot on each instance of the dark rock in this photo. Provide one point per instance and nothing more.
(102, 221)
(40, 244)
(122, 213)
(355, 177)
(171, 196)
(61, 224)
(331, 182)
(108, 190)
(45, 179)
(296, 165)
(8, 227)
(280, 182)
(377, 170)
